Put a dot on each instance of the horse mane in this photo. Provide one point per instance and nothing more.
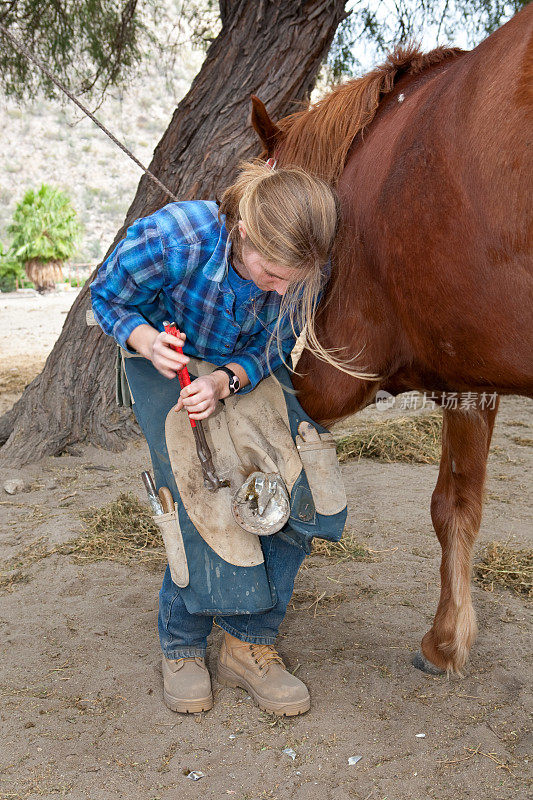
(318, 138)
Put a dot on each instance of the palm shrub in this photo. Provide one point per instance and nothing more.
(45, 232)
(11, 270)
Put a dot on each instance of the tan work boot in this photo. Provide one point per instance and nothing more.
(259, 669)
(187, 685)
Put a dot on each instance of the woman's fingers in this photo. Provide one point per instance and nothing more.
(167, 363)
(175, 358)
(201, 405)
(175, 341)
(200, 411)
(202, 414)
(197, 399)
(167, 373)
(196, 387)
(166, 367)
(165, 342)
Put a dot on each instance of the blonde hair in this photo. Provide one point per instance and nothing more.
(291, 219)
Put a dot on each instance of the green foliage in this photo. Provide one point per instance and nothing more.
(372, 25)
(87, 43)
(94, 44)
(11, 270)
(341, 59)
(44, 226)
(91, 45)
(204, 21)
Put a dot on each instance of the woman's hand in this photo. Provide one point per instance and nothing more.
(164, 358)
(201, 396)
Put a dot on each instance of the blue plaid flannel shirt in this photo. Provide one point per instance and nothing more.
(173, 265)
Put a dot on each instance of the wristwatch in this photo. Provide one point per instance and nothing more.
(234, 382)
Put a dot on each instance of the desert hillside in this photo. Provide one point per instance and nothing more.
(50, 141)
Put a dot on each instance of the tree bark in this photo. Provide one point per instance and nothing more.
(272, 48)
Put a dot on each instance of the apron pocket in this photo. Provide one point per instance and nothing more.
(177, 560)
(318, 455)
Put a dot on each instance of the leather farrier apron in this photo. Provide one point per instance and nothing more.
(218, 566)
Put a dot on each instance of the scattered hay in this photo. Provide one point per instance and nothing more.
(275, 721)
(348, 549)
(310, 600)
(121, 531)
(506, 567)
(412, 440)
(523, 441)
(15, 568)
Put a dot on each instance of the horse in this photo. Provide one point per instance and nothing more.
(432, 286)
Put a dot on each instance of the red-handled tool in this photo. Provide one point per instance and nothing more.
(183, 374)
(211, 479)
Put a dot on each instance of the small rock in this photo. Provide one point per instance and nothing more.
(14, 485)
(29, 724)
(289, 752)
(196, 774)
(50, 484)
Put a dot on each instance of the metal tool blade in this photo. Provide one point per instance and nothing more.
(153, 499)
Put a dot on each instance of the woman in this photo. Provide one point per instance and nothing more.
(240, 279)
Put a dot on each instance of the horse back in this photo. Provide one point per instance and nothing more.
(438, 196)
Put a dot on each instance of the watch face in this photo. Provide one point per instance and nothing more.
(234, 384)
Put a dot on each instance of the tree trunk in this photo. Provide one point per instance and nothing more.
(272, 48)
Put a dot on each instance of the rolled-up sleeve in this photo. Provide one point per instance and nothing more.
(131, 276)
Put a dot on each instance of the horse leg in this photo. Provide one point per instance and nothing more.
(456, 508)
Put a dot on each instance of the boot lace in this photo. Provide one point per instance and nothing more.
(265, 654)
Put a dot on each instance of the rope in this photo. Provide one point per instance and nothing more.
(19, 46)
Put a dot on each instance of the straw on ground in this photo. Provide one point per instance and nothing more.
(501, 565)
(413, 440)
(121, 531)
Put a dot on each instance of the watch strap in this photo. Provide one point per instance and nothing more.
(233, 378)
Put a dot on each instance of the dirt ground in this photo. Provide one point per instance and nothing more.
(80, 685)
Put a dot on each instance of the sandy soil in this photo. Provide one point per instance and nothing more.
(81, 709)
(29, 326)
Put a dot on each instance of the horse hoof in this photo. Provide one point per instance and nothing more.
(420, 662)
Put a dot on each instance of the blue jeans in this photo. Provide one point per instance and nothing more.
(182, 634)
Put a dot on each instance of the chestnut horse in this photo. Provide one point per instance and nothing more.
(432, 285)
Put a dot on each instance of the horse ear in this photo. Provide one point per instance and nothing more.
(268, 131)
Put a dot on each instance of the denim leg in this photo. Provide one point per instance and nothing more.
(182, 635)
(283, 560)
